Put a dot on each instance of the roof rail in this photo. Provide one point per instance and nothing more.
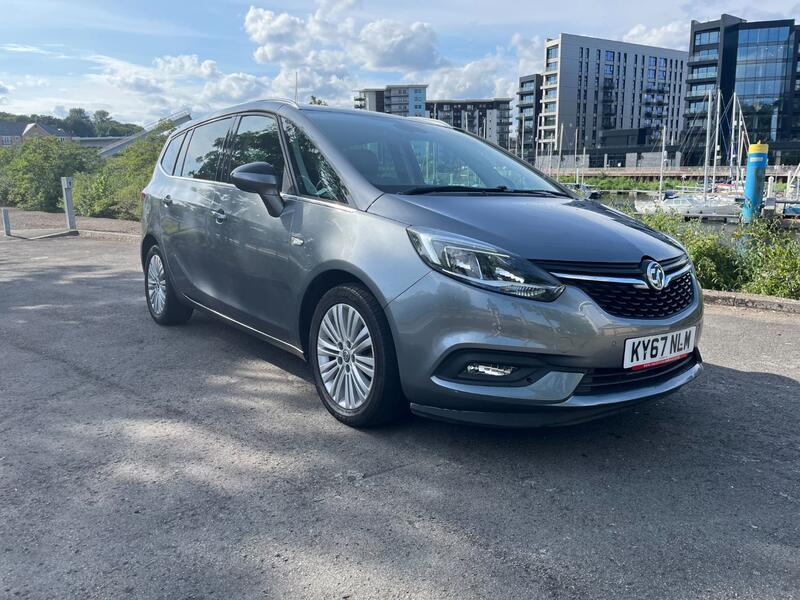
(432, 121)
(284, 100)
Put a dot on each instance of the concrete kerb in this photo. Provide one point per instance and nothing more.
(756, 301)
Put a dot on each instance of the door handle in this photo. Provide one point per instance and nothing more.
(219, 215)
(167, 200)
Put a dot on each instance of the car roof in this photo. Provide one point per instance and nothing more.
(286, 107)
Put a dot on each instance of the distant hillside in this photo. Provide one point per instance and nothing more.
(79, 123)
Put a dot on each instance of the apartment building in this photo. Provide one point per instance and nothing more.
(596, 92)
(753, 69)
(529, 99)
(404, 100)
(490, 118)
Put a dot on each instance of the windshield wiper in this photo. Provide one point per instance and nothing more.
(432, 189)
(544, 193)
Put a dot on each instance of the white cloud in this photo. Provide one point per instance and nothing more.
(325, 49)
(529, 52)
(281, 36)
(23, 49)
(390, 45)
(234, 87)
(671, 35)
(489, 76)
(186, 65)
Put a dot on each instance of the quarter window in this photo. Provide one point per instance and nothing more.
(205, 150)
(315, 175)
(171, 153)
(257, 140)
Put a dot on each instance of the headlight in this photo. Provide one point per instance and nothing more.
(483, 266)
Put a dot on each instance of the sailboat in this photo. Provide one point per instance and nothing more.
(706, 200)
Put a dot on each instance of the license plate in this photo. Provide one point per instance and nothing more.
(655, 350)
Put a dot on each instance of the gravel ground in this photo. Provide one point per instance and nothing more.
(197, 462)
(23, 220)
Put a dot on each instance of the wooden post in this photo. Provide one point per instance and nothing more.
(69, 209)
(6, 223)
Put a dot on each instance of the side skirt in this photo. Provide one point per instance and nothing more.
(246, 328)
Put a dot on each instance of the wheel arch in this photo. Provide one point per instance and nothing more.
(318, 286)
(147, 242)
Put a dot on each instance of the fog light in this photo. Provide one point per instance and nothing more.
(489, 370)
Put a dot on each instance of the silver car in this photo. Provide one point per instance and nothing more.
(415, 266)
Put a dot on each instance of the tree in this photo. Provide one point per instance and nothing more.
(79, 123)
(34, 172)
(101, 121)
(317, 101)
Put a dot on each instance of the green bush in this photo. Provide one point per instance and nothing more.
(771, 259)
(93, 194)
(114, 190)
(761, 258)
(31, 179)
(610, 182)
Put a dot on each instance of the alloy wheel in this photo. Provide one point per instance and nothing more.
(156, 285)
(345, 356)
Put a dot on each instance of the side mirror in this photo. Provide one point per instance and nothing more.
(595, 195)
(260, 178)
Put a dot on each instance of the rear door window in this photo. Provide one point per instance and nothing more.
(205, 150)
(171, 153)
(315, 175)
(257, 139)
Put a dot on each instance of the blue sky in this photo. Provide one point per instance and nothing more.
(142, 60)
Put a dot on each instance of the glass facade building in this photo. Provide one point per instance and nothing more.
(756, 61)
(763, 78)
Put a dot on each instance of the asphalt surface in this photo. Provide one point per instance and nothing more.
(197, 462)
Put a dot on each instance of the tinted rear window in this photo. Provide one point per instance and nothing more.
(205, 150)
(171, 153)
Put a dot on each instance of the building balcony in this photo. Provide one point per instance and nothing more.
(697, 58)
(697, 93)
(551, 69)
(702, 76)
(654, 101)
(656, 88)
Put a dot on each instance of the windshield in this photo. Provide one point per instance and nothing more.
(399, 155)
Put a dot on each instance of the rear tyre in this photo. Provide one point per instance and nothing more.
(353, 358)
(163, 304)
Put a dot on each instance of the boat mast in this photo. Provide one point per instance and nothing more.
(716, 142)
(663, 158)
(575, 157)
(708, 143)
(585, 165)
(732, 149)
(560, 145)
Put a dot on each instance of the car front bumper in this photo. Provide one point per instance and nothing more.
(439, 317)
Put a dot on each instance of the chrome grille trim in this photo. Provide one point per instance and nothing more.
(636, 282)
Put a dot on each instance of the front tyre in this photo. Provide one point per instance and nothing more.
(162, 302)
(353, 359)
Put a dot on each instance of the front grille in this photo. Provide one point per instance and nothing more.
(611, 269)
(609, 381)
(625, 300)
